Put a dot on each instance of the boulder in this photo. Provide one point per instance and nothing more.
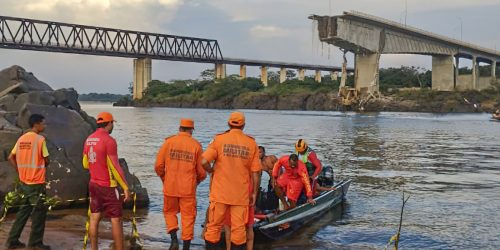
(7, 125)
(7, 101)
(16, 80)
(8, 176)
(35, 97)
(8, 139)
(135, 185)
(67, 98)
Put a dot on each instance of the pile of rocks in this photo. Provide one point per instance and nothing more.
(22, 94)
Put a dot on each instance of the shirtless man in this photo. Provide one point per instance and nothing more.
(267, 161)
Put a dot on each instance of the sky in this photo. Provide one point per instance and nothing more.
(276, 30)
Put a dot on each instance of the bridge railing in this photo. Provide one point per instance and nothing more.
(29, 34)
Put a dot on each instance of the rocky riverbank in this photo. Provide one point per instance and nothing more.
(401, 101)
(22, 94)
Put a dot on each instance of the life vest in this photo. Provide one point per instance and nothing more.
(30, 162)
(305, 159)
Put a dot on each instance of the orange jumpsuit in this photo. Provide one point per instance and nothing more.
(179, 166)
(236, 156)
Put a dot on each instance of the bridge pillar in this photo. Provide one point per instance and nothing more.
(494, 70)
(366, 72)
(474, 72)
(443, 73)
(142, 76)
(317, 76)
(302, 73)
(282, 74)
(220, 71)
(457, 66)
(243, 72)
(263, 75)
(334, 75)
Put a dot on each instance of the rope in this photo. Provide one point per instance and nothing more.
(135, 240)
(87, 226)
(391, 240)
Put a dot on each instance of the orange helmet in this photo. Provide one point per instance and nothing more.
(104, 117)
(301, 145)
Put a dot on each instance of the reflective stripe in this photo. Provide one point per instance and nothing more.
(29, 166)
(304, 157)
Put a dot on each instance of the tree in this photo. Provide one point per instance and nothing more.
(290, 74)
(273, 76)
(208, 75)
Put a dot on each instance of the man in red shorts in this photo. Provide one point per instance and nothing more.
(100, 157)
(291, 181)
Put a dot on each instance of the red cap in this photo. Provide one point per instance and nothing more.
(104, 117)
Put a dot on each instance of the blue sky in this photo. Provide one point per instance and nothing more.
(258, 29)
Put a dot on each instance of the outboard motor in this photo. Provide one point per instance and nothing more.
(326, 178)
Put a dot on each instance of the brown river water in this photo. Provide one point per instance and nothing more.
(449, 164)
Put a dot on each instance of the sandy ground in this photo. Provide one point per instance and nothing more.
(64, 230)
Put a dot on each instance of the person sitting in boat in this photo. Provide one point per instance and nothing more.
(292, 181)
(307, 155)
(496, 115)
(325, 181)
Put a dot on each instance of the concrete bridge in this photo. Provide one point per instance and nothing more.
(38, 35)
(368, 37)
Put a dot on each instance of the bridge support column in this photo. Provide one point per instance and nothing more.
(282, 74)
(263, 75)
(443, 73)
(494, 70)
(475, 72)
(302, 73)
(457, 66)
(243, 72)
(334, 75)
(220, 71)
(317, 76)
(142, 76)
(366, 72)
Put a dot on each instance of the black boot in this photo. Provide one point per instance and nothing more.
(238, 247)
(186, 244)
(174, 244)
(211, 246)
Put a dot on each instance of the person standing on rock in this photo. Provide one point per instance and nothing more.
(236, 157)
(100, 157)
(178, 164)
(30, 159)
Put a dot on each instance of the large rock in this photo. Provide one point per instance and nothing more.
(7, 141)
(7, 101)
(67, 98)
(8, 177)
(16, 80)
(35, 97)
(135, 185)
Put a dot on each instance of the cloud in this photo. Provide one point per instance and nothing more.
(268, 31)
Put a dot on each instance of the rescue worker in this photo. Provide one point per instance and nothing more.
(236, 162)
(29, 157)
(267, 161)
(292, 181)
(307, 155)
(100, 157)
(178, 164)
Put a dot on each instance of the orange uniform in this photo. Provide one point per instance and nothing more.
(293, 180)
(179, 166)
(30, 151)
(236, 156)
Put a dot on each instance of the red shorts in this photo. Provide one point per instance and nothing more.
(291, 186)
(251, 216)
(105, 200)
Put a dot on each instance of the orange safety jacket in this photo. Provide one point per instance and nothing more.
(30, 151)
(299, 172)
(100, 157)
(178, 164)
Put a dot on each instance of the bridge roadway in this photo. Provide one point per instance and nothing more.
(368, 37)
(57, 37)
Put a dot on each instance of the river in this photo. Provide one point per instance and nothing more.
(448, 164)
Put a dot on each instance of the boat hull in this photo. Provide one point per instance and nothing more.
(285, 224)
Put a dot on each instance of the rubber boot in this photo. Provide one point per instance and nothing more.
(238, 247)
(174, 244)
(186, 244)
(211, 246)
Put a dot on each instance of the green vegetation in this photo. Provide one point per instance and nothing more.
(98, 97)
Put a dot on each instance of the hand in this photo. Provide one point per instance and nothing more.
(127, 195)
(253, 198)
(311, 201)
(273, 182)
